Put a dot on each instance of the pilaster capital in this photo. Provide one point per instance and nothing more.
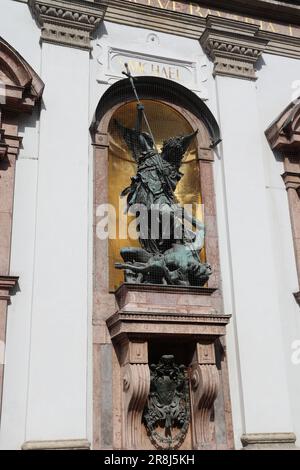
(68, 22)
(233, 46)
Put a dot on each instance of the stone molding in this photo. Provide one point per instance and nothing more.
(233, 46)
(71, 444)
(269, 441)
(7, 284)
(67, 22)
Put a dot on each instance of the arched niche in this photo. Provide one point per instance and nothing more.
(171, 110)
(179, 107)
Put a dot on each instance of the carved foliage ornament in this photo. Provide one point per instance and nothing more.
(167, 413)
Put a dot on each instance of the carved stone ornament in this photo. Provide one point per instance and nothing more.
(233, 46)
(68, 22)
(167, 413)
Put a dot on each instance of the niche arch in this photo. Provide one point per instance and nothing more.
(161, 89)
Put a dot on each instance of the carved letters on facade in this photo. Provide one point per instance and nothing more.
(192, 74)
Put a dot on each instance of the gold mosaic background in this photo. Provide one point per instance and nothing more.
(165, 122)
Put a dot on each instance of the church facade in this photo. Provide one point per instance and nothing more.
(110, 340)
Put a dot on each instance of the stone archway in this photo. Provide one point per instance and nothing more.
(124, 333)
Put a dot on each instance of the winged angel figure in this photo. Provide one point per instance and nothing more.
(169, 252)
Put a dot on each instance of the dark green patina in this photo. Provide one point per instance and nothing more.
(167, 413)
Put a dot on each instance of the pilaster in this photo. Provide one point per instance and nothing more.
(256, 311)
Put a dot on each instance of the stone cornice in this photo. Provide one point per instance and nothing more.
(157, 324)
(164, 20)
(233, 46)
(271, 9)
(191, 26)
(68, 22)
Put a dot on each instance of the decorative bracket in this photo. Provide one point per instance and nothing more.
(67, 22)
(204, 390)
(136, 387)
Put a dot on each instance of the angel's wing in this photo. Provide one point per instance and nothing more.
(131, 137)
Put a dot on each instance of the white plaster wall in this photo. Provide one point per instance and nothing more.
(259, 257)
(275, 88)
(253, 269)
(58, 358)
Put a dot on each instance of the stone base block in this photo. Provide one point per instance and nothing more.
(269, 441)
(72, 444)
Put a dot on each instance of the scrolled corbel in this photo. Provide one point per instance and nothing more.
(136, 387)
(204, 387)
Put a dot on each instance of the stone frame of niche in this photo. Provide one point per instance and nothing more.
(284, 139)
(107, 316)
(21, 92)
